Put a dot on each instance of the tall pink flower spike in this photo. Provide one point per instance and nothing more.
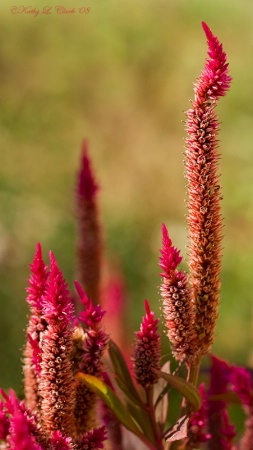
(56, 360)
(36, 326)
(147, 350)
(177, 304)
(204, 215)
(89, 236)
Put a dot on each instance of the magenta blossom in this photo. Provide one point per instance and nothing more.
(147, 350)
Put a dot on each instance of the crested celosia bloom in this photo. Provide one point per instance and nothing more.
(89, 239)
(177, 305)
(147, 350)
(89, 347)
(204, 216)
(36, 326)
(56, 384)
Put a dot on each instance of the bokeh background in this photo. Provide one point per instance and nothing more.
(122, 76)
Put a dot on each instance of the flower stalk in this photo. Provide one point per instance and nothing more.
(204, 215)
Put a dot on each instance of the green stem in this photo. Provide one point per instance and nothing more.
(186, 408)
(151, 413)
(194, 372)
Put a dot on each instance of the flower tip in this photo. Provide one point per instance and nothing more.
(52, 258)
(87, 186)
(165, 235)
(85, 146)
(79, 289)
(147, 307)
(207, 30)
(82, 294)
(38, 251)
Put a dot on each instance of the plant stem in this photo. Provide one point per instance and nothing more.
(194, 372)
(151, 413)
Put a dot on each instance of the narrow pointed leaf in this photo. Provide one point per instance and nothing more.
(111, 400)
(142, 418)
(129, 394)
(189, 391)
(123, 376)
(228, 397)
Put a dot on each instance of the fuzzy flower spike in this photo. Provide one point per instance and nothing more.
(177, 305)
(204, 217)
(147, 350)
(89, 238)
(89, 346)
(35, 329)
(56, 379)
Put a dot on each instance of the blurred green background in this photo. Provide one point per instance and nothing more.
(122, 76)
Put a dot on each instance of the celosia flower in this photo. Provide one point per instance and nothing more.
(19, 436)
(197, 428)
(214, 80)
(60, 442)
(89, 239)
(114, 301)
(93, 440)
(204, 217)
(241, 384)
(36, 326)
(4, 422)
(89, 347)
(177, 305)
(56, 382)
(222, 432)
(147, 350)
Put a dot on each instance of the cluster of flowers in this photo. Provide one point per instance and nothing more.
(72, 402)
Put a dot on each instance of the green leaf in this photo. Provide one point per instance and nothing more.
(228, 397)
(189, 391)
(111, 400)
(123, 376)
(142, 418)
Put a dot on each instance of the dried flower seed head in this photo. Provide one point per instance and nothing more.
(177, 305)
(204, 216)
(147, 350)
(89, 238)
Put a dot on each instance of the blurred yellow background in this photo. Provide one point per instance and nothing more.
(122, 76)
